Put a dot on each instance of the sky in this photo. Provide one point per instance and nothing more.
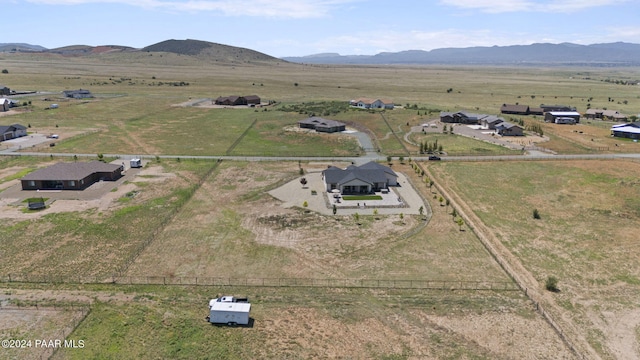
(303, 27)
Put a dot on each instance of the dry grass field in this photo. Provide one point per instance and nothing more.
(189, 219)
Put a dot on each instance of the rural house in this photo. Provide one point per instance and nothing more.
(365, 103)
(490, 122)
(611, 115)
(461, 117)
(321, 125)
(363, 179)
(78, 94)
(71, 176)
(561, 117)
(509, 129)
(234, 100)
(548, 108)
(629, 131)
(5, 104)
(4, 90)
(12, 131)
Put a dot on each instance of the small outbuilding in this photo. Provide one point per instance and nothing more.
(5, 104)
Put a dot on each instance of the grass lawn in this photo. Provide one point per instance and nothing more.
(361, 197)
(457, 145)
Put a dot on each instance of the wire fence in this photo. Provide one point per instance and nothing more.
(59, 338)
(269, 282)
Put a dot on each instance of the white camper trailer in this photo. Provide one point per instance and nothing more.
(229, 310)
(135, 163)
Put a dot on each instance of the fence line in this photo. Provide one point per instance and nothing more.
(62, 334)
(431, 284)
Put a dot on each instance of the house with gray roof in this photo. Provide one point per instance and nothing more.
(78, 94)
(509, 129)
(71, 176)
(461, 117)
(8, 132)
(321, 125)
(363, 179)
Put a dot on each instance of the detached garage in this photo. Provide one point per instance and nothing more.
(71, 176)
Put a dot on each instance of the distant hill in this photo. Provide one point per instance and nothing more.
(9, 47)
(536, 54)
(209, 50)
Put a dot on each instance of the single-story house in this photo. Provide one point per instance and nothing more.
(4, 90)
(71, 176)
(363, 179)
(234, 100)
(629, 131)
(78, 94)
(491, 121)
(321, 125)
(509, 129)
(12, 131)
(611, 115)
(365, 103)
(461, 117)
(551, 116)
(5, 104)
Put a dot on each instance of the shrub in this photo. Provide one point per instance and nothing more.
(536, 214)
(551, 284)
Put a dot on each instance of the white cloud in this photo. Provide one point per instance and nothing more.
(297, 9)
(503, 6)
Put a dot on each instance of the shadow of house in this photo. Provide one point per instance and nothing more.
(364, 179)
(71, 176)
(321, 125)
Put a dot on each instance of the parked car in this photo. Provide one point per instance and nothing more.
(433, 157)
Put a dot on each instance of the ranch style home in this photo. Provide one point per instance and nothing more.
(611, 115)
(491, 122)
(365, 103)
(237, 100)
(78, 94)
(321, 125)
(71, 176)
(12, 131)
(364, 179)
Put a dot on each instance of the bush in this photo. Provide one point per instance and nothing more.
(536, 214)
(5, 71)
(551, 284)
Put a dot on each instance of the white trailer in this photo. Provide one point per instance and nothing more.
(135, 163)
(229, 310)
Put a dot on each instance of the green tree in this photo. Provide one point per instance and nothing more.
(431, 184)
(356, 217)
(401, 158)
(375, 211)
(460, 223)
(440, 200)
(446, 202)
(305, 204)
(335, 209)
(5, 71)
(401, 216)
(454, 213)
(421, 210)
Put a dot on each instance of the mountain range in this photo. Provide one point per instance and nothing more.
(608, 54)
(536, 54)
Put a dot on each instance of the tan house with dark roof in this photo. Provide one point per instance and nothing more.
(71, 176)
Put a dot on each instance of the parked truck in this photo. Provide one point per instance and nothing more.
(229, 310)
